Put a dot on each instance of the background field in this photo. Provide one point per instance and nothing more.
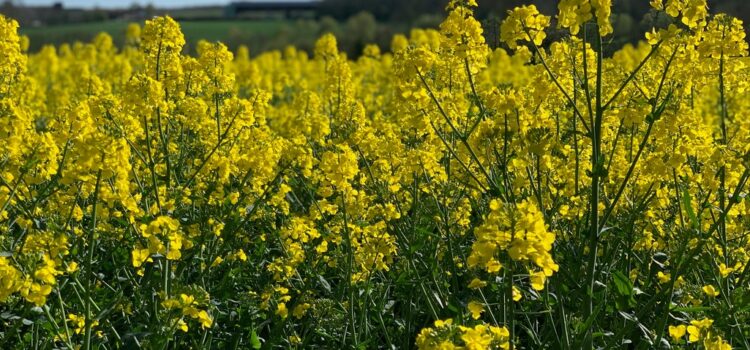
(214, 30)
(354, 22)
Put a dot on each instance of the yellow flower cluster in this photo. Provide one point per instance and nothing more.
(519, 233)
(188, 306)
(446, 336)
(524, 23)
(312, 200)
(700, 332)
(163, 237)
(574, 13)
(9, 279)
(693, 13)
(79, 323)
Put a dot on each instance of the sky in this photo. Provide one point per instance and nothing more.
(122, 3)
(127, 3)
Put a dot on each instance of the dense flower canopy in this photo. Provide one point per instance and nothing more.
(440, 195)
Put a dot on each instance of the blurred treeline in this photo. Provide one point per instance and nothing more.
(354, 22)
(631, 18)
(353, 33)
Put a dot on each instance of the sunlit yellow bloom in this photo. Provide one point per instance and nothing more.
(476, 309)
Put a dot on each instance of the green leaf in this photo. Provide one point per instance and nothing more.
(622, 284)
(324, 283)
(624, 289)
(689, 209)
(254, 340)
(691, 309)
(584, 327)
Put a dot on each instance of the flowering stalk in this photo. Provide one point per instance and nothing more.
(90, 240)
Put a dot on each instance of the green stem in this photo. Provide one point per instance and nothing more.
(596, 174)
(349, 268)
(91, 242)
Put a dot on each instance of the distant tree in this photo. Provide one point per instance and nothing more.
(383, 10)
(149, 10)
(328, 25)
(360, 31)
